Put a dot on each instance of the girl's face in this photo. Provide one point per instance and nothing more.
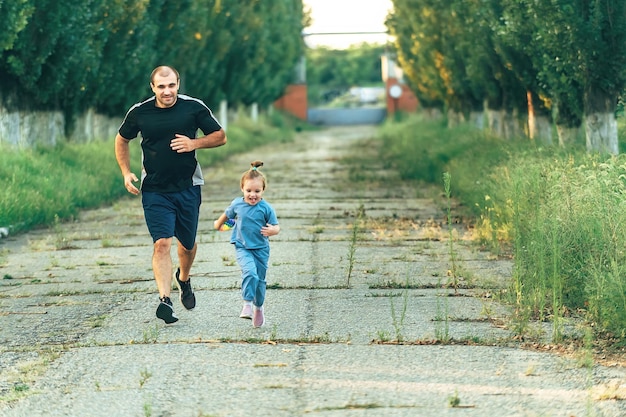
(252, 190)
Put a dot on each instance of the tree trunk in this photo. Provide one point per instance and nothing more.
(432, 113)
(91, 126)
(567, 135)
(601, 133)
(495, 122)
(599, 120)
(477, 119)
(568, 118)
(512, 126)
(539, 120)
(25, 129)
(455, 118)
(543, 130)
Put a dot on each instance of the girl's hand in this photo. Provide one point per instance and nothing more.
(224, 226)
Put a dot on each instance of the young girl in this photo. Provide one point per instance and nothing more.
(255, 222)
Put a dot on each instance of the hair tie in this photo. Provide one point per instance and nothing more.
(253, 168)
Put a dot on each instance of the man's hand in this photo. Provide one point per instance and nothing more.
(182, 144)
(129, 179)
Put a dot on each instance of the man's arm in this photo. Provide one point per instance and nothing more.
(182, 143)
(122, 154)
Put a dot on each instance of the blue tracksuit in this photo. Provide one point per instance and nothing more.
(252, 248)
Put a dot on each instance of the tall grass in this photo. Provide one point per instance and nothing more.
(42, 185)
(560, 213)
(571, 237)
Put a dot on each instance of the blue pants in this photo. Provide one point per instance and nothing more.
(253, 263)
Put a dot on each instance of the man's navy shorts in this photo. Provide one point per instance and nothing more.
(173, 214)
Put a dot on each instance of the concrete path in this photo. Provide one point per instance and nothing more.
(355, 301)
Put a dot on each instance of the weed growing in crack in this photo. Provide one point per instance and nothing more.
(98, 321)
(147, 409)
(61, 241)
(144, 377)
(317, 230)
(486, 310)
(531, 370)
(274, 333)
(454, 400)
(228, 261)
(354, 237)
(383, 336)
(324, 338)
(585, 357)
(20, 387)
(151, 335)
(110, 243)
(20, 381)
(453, 267)
(442, 317)
(398, 319)
(54, 263)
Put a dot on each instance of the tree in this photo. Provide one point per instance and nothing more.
(73, 55)
(267, 44)
(14, 16)
(565, 60)
(449, 53)
(602, 36)
(515, 39)
(414, 26)
(131, 36)
(556, 55)
(49, 64)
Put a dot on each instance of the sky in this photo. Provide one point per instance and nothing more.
(346, 16)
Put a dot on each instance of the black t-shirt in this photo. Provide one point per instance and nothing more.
(165, 170)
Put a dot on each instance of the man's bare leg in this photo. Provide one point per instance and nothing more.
(162, 269)
(186, 258)
(162, 266)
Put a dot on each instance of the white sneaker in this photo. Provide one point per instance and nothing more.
(246, 312)
(258, 317)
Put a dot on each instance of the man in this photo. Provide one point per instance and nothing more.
(171, 177)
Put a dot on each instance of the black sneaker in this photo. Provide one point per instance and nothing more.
(187, 297)
(165, 311)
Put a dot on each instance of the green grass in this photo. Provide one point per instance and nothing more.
(561, 214)
(45, 185)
